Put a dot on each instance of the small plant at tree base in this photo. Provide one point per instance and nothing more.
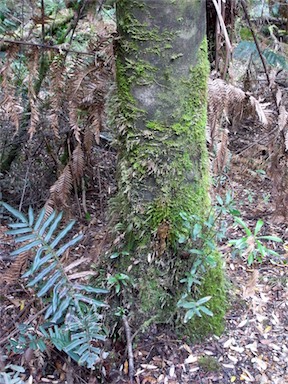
(209, 364)
(194, 307)
(118, 280)
(251, 245)
(72, 316)
(202, 234)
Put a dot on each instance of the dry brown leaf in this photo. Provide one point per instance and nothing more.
(249, 289)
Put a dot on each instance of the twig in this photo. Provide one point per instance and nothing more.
(100, 188)
(129, 348)
(24, 188)
(43, 21)
(84, 195)
(257, 141)
(226, 36)
(223, 27)
(79, 13)
(255, 39)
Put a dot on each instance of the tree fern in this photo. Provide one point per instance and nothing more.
(74, 321)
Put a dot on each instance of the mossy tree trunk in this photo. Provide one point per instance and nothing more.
(163, 171)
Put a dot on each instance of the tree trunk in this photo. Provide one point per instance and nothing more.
(163, 171)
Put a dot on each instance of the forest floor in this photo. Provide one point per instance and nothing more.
(254, 345)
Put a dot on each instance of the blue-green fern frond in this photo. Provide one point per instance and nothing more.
(66, 299)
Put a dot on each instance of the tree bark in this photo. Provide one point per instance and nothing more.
(163, 171)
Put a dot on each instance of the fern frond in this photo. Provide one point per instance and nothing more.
(78, 162)
(222, 152)
(13, 273)
(73, 120)
(81, 329)
(260, 110)
(61, 189)
(33, 60)
(57, 89)
(10, 104)
(96, 125)
(88, 138)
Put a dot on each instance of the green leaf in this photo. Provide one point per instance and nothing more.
(187, 304)
(50, 282)
(89, 300)
(53, 226)
(38, 261)
(42, 274)
(258, 226)
(250, 259)
(55, 297)
(89, 358)
(62, 234)
(189, 314)
(234, 212)
(15, 213)
(271, 252)
(90, 289)
(205, 310)
(39, 220)
(30, 216)
(203, 300)
(239, 221)
(261, 248)
(219, 199)
(182, 239)
(61, 310)
(49, 312)
(26, 247)
(41, 344)
(272, 238)
(69, 244)
(46, 224)
(75, 344)
(197, 229)
(19, 231)
(83, 348)
(196, 251)
(18, 225)
(21, 239)
(16, 368)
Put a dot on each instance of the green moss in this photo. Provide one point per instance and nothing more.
(246, 34)
(214, 285)
(209, 364)
(163, 170)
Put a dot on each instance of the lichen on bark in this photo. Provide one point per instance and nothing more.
(162, 71)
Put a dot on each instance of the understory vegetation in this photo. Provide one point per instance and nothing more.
(64, 270)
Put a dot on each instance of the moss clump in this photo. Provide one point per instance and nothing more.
(209, 364)
(214, 285)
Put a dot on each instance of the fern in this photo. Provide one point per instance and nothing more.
(245, 49)
(11, 373)
(74, 321)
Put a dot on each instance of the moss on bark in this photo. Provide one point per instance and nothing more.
(162, 71)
